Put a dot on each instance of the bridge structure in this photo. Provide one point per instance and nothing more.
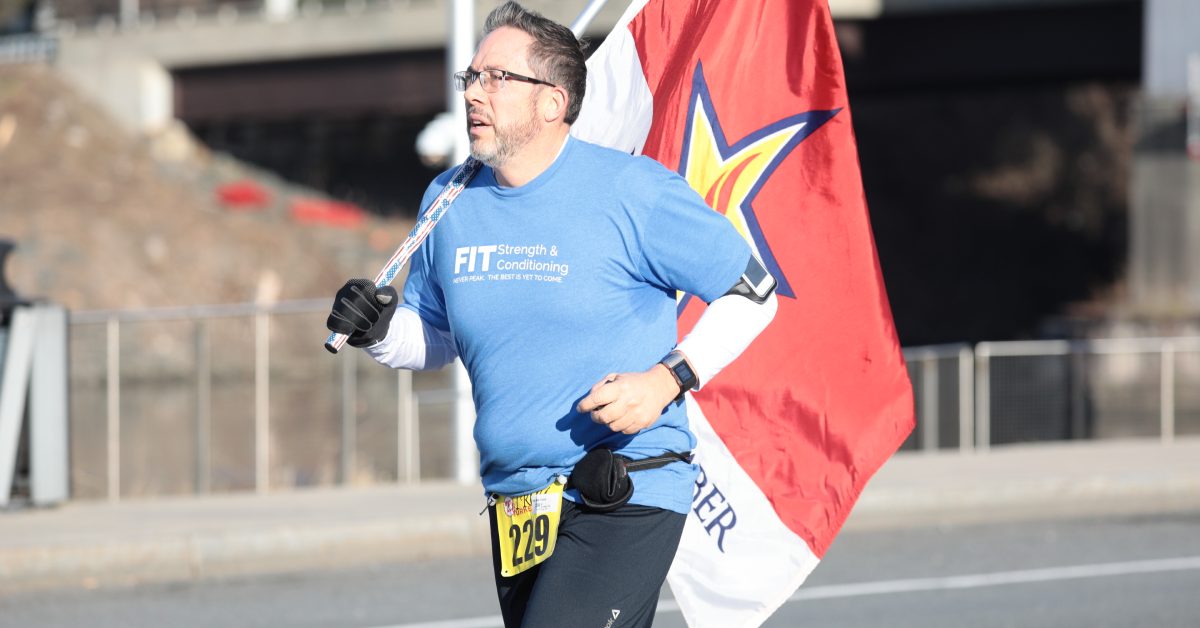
(152, 60)
(333, 93)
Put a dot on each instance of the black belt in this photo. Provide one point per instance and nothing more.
(658, 461)
(602, 477)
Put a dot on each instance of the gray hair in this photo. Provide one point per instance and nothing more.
(555, 54)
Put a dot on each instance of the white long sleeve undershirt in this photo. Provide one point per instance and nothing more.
(411, 343)
(724, 331)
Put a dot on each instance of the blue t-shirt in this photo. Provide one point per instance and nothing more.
(548, 287)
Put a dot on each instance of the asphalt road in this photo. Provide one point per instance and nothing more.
(1096, 572)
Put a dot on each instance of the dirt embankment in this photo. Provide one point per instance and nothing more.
(103, 218)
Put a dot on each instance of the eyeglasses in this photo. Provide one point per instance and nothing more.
(491, 80)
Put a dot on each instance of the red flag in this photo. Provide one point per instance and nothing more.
(746, 99)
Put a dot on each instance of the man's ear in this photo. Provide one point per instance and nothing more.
(554, 104)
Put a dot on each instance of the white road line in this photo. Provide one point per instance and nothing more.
(910, 585)
(999, 578)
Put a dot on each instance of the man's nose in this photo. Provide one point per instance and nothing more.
(474, 91)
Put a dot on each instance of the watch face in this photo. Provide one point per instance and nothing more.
(683, 373)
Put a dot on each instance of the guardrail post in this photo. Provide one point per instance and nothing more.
(113, 431)
(1167, 393)
(966, 399)
(1077, 383)
(49, 449)
(983, 397)
(262, 401)
(203, 407)
(929, 403)
(349, 413)
(408, 457)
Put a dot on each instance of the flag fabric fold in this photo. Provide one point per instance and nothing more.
(746, 100)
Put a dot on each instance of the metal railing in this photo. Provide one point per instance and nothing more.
(242, 397)
(160, 400)
(943, 387)
(1000, 393)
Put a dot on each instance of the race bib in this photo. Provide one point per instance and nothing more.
(527, 526)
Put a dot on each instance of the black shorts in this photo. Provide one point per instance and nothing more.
(606, 571)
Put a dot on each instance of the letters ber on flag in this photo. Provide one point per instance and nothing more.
(746, 100)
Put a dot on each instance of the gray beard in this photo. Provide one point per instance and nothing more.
(509, 140)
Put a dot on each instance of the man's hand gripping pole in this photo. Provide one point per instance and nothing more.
(419, 232)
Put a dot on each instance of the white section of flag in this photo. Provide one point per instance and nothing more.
(618, 107)
(763, 562)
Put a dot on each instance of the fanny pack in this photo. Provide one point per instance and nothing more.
(602, 477)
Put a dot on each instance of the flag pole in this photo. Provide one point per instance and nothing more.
(586, 16)
(458, 57)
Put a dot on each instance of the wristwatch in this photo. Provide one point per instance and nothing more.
(681, 371)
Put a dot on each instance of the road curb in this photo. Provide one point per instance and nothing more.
(241, 552)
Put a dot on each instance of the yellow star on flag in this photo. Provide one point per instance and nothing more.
(726, 181)
(728, 176)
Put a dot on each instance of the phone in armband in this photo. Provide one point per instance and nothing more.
(756, 278)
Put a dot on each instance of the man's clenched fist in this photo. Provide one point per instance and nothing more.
(362, 312)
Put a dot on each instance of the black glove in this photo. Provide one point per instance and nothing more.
(362, 312)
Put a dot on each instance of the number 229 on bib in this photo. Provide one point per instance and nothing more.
(527, 527)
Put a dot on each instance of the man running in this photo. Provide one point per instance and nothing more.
(554, 278)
